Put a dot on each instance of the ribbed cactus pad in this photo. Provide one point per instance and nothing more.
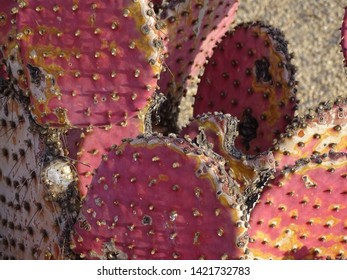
(219, 131)
(344, 36)
(251, 77)
(30, 222)
(87, 146)
(319, 132)
(84, 62)
(138, 208)
(303, 215)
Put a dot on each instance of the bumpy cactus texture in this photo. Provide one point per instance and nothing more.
(83, 175)
(219, 131)
(188, 47)
(87, 147)
(302, 213)
(192, 28)
(31, 222)
(250, 76)
(137, 208)
(318, 132)
(84, 62)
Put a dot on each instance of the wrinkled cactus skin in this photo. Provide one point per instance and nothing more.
(94, 164)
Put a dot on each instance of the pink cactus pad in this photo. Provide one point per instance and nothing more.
(7, 33)
(138, 208)
(31, 225)
(191, 29)
(89, 145)
(250, 76)
(86, 62)
(317, 132)
(344, 36)
(7, 16)
(303, 214)
(219, 131)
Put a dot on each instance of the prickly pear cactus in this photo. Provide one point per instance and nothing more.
(138, 208)
(89, 145)
(302, 214)
(34, 185)
(250, 76)
(320, 131)
(188, 47)
(83, 176)
(191, 29)
(83, 63)
(219, 131)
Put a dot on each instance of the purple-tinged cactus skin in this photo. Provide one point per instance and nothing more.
(85, 63)
(83, 175)
(318, 132)
(344, 36)
(251, 77)
(208, 22)
(137, 208)
(302, 213)
(6, 32)
(219, 131)
(93, 143)
(33, 183)
(192, 28)
(87, 146)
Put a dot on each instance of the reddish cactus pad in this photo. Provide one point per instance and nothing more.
(318, 132)
(344, 36)
(220, 131)
(138, 208)
(87, 147)
(5, 30)
(7, 16)
(303, 215)
(7, 33)
(85, 62)
(250, 77)
(193, 27)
